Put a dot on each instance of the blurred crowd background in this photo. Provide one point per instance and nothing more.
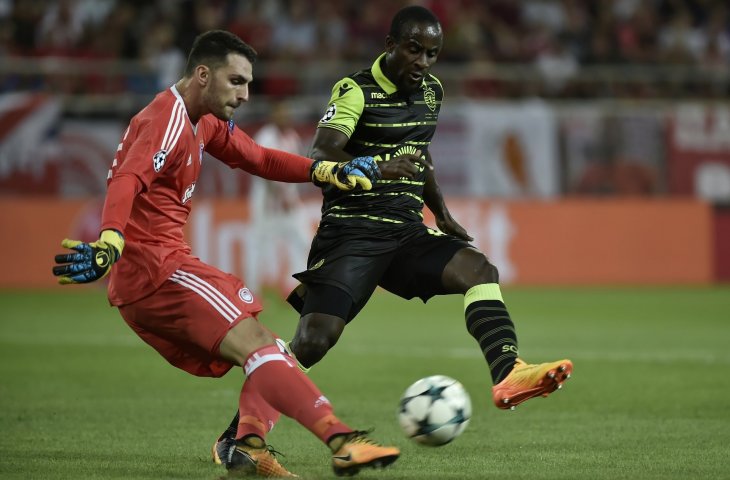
(105, 59)
(492, 49)
(615, 78)
(579, 141)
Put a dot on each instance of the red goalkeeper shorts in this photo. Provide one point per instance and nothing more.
(186, 319)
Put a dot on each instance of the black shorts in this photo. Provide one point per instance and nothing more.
(407, 260)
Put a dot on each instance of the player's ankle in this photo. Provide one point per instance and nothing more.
(336, 441)
(252, 440)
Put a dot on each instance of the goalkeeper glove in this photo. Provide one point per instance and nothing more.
(360, 171)
(92, 260)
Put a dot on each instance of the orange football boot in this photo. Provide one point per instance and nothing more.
(527, 381)
(355, 451)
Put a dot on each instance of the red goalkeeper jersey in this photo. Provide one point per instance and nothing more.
(152, 181)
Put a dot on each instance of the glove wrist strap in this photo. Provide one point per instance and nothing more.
(322, 172)
(114, 239)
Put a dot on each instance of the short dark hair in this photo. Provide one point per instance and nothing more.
(414, 13)
(212, 47)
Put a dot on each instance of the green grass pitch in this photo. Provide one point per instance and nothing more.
(82, 397)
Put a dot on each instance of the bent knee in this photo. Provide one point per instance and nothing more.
(243, 339)
(310, 350)
(468, 268)
(485, 272)
(315, 335)
(478, 269)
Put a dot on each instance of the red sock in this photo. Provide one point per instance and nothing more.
(276, 377)
(256, 416)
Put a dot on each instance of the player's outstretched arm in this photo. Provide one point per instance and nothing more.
(358, 172)
(91, 261)
(335, 166)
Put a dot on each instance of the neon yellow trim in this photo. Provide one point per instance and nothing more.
(389, 145)
(433, 77)
(406, 124)
(484, 291)
(340, 128)
(378, 194)
(407, 182)
(383, 81)
(399, 104)
(369, 217)
(381, 145)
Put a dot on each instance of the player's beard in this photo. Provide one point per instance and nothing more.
(217, 105)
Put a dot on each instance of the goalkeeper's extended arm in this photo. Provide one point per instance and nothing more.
(91, 261)
(360, 171)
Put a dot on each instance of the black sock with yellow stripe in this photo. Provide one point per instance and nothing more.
(489, 323)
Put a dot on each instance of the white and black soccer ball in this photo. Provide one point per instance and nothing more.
(434, 410)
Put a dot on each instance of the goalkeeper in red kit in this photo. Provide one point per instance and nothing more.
(197, 317)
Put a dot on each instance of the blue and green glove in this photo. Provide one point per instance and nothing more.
(360, 171)
(92, 261)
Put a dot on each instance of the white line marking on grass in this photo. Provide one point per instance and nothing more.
(539, 355)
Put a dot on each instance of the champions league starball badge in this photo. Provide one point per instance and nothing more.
(158, 160)
(329, 114)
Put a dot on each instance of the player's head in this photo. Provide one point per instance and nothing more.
(412, 46)
(222, 65)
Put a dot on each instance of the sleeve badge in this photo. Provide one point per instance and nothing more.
(329, 114)
(158, 160)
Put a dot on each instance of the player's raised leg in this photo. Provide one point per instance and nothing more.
(489, 322)
(514, 380)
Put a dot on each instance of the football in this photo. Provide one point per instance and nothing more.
(434, 410)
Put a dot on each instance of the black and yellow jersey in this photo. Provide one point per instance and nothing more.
(383, 123)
